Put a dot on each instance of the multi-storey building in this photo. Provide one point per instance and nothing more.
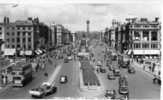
(59, 30)
(24, 35)
(145, 37)
(19, 35)
(2, 37)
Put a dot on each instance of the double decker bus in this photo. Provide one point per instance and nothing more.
(22, 74)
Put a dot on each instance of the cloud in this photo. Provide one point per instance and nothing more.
(74, 16)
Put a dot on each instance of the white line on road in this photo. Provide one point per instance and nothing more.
(54, 75)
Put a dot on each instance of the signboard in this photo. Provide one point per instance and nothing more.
(148, 52)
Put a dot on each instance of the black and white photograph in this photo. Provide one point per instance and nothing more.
(88, 50)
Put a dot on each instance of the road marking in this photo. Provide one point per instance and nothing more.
(54, 75)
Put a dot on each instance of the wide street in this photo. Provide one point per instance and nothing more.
(140, 84)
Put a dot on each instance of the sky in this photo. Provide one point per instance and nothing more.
(74, 15)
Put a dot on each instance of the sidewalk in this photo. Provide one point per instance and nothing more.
(134, 63)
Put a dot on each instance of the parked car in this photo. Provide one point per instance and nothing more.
(123, 90)
(110, 94)
(111, 68)
(124, 97)
(116, 72)
(123, 81)
(102, 70)
(131, 70)
(63, 79)
(66, 60)
(111, 76)
(43, 90)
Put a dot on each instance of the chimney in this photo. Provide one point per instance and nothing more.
(156, 19)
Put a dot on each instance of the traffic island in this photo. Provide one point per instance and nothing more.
(90, 85)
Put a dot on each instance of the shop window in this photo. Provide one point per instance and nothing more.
(137, 45)
(154, 46)
(136, 35)
(145, 45)
(154, 36)
(145, 35)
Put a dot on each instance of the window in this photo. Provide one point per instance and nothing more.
(13, 40)
(145, 45)
(18, 46)
(29, 46)
(7, 27)
(13, 33)
(29, 39)
(136, 45)
(13, 46)
(154, 46)
(18, 33)
(136, 35)
(8, 40)
(0, 33)
(145, 35)
(29, 33)
(24, 40)
(154, 36)
(24, 46)
(18, 28)
(18, 39)
(8, 33)
(0, 28)
(29, 28)
(23, 28)
(23, 33)
(13, 28)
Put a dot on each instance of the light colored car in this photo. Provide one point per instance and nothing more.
(43, 90)
(63, 79)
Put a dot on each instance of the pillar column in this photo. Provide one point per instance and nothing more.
(141, 38)
(149, 39)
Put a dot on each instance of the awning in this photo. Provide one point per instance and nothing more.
(28, 52)
(146, 52)
(8, 52)
(22, 52)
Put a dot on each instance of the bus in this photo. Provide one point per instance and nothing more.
(22, 74)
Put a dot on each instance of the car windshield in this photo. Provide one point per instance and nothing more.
(124, 88)
(110, 92)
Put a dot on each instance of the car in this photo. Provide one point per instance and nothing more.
(110, 94)
(116, 72)
(102, 70)
(111, 76)
(43, 90)
(124, 97)
(123, 90)
(63, 79)
(111, 68)
(66, 60)
(123, 81)
(131, 70)
(69, 57)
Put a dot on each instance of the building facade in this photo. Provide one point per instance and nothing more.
(145, 37)
(19, 35)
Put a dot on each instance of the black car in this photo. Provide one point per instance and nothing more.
(123, 90)
(123, 81)
(111, 76)
(110, 94)
(116, 72)
(102, 70)
(66, 60)
(131, 70)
